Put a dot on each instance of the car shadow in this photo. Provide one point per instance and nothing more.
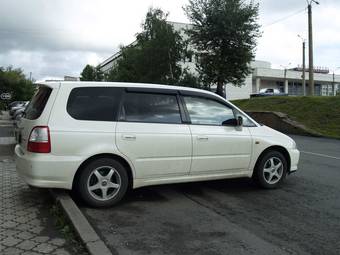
(155, 194)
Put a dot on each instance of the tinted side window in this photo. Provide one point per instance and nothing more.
(94, 103)
(204, 111)
(156, 108)
(38, 103)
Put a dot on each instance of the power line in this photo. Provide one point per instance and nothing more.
(284, 18)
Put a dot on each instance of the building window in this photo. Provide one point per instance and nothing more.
(280, 86)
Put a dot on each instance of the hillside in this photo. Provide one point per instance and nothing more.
(319, 114)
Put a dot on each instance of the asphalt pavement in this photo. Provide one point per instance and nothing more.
(233, 216)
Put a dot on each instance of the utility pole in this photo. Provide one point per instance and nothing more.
(310, 46)
(303, 65)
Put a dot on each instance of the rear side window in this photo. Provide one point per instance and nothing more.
(151, 108)
(38, 103)
(94, 103)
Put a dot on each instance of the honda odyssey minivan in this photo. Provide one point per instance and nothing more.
(100, 139)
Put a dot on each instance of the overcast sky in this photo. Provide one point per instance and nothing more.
(53, 38)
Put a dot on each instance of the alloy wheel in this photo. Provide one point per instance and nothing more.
(104, 183)
(273, 170)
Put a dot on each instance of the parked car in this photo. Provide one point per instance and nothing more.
(269, 92)
(100, 139)
(15, 107)
(15, 103)
(20, 111)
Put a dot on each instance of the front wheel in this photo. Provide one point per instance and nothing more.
(102, 182)
(271, 170)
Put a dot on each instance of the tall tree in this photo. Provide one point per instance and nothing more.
(91, 73)
(15, 82)
(154, 57)
(224, 34)
(189, 79)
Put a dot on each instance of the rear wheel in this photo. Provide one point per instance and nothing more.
(271, 170)
(102, 182)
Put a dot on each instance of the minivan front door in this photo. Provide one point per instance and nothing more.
(217, 148)
(151, 134)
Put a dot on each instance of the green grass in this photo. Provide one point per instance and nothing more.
(318, 114)
(62, 223)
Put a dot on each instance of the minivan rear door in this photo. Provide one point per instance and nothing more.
(37, 112)
(151, 134)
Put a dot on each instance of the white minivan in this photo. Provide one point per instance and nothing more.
(100, 139)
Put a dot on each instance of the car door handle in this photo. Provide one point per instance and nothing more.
(129, 137)
(202, 138)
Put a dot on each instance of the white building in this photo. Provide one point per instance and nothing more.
(262, 76)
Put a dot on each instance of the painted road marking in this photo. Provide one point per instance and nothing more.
(320, 155)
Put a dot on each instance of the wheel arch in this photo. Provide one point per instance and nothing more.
(120, 159)
(278, 148)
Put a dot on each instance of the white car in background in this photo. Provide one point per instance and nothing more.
(100, 139)
(269, 92)
(19, 105)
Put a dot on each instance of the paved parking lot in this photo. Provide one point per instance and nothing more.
(233, 216)
(26, 225)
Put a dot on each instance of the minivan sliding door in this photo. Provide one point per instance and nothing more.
(151, 134)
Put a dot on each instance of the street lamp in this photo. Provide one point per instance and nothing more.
(303, 64)
(310, 45)
(285, 77)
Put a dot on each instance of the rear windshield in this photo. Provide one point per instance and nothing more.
(37, 104)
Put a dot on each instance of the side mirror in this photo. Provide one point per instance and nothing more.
(230, 122)
(233, 122)
(239, 121)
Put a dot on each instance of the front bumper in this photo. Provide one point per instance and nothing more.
(46, 170)
(294, 160)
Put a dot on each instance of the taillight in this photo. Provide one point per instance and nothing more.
(39, 140)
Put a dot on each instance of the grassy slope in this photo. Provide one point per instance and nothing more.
(320, 114)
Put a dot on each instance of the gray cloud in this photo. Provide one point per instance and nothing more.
(59, 37)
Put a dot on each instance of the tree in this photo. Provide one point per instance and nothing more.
(154, 57)
(91, 73)
(189, 79)
(224, 34)
(15, 82)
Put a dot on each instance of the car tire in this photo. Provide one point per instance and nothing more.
(271, 170)
(102, 183)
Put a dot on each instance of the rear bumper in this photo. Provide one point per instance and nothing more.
(46, 170)
(294, 160)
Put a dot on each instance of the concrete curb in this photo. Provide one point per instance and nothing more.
(91, 240)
